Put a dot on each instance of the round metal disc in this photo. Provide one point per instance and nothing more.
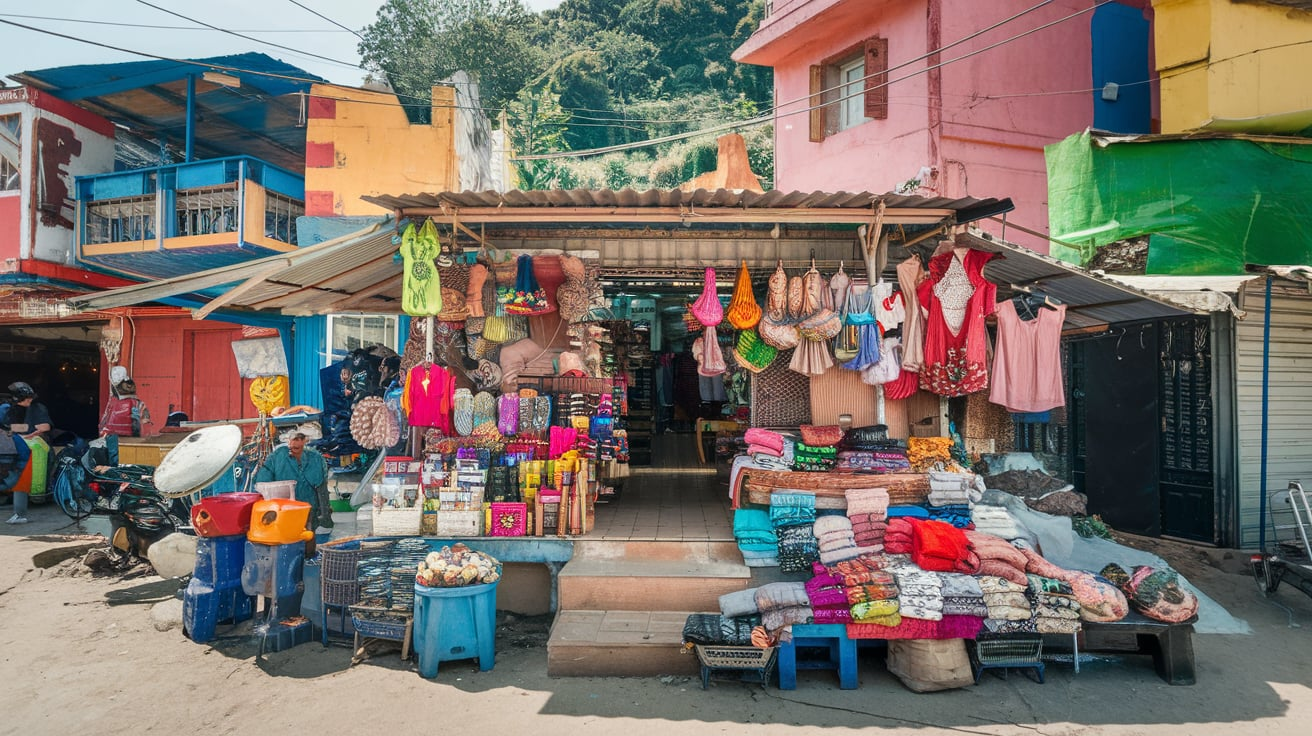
(198, 460)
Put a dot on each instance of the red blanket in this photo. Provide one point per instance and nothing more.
(941, 547)
(951, 627)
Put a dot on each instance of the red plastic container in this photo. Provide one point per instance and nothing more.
(223, 515)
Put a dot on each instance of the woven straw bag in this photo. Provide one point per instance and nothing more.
(776, 328)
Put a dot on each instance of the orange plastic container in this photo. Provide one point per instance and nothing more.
(279, 521)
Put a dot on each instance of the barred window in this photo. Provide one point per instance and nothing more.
(280, 213)
(120, 220)
(207, 210)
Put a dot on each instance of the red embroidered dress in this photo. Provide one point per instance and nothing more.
(957, 298)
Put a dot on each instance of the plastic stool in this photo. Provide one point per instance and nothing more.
(455, 623)
(833, 637)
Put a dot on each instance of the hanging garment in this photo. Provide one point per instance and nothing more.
(860, 300)
(889, 366)
(710, 357)
(777, 327)
(839, 285)
(889, 309)
(527, 297)
(957, 298)
(910, 273)
(816, 329)
(1027, 363)
(429, 397)
(421, 287)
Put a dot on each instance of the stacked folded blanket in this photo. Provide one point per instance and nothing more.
(962, 595)
(756, 538)
(920, 592)
(952, 488)
(828, 597)
(957, 515)
(910, 511)
(791, 508)
(869, 590)
(996, 521)
(798, 548)
(873, 461)
(769, 462)
(897, 538)
(998, 557)
(867, 509)
(1008, 606)
(783, 604)
(940, 547)
(1056, 611)
(814, 459)
(835, 537)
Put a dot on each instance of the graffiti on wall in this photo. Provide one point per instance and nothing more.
(11, 152)
(57, 146)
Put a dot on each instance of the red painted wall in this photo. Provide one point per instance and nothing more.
(11, 226)
(181, 364)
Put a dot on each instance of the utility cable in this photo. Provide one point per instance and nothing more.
(330, 20)
(89, 21)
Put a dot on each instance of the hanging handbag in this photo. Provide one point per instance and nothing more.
(455, 285)
(848, 343)
(528, 298)
(710, 358)
(707, 309)
(753, 353)
(744, 313)
(776, 327)
(819, 323)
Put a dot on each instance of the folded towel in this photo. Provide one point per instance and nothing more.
(839, 554)
(765, 438)
(764, 450)
(911, 610)
(866, 500)
(769, 462)
(753, 525)
(739, 603)
(832, 523)
(966, 586)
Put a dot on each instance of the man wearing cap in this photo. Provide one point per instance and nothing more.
(295, 461)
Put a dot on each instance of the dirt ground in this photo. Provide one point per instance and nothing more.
(80, 655)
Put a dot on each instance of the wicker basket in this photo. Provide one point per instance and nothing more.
(734, 658)
(1017, 649)
(340, 592)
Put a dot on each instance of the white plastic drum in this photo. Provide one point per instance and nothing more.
(198, 460)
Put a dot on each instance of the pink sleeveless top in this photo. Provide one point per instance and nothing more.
(1027, 362)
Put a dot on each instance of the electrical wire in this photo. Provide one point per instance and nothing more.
(88, 21)
(330, 20)
(251, 38)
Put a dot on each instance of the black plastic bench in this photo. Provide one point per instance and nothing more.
(1171, 645)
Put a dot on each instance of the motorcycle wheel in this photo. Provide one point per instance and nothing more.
(71, 498)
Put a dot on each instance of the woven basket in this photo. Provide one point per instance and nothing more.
(340, 592)
(390, 522)
(734, 658)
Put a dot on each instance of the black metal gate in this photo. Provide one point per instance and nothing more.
(1185, 394)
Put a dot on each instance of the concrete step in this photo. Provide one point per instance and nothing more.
(619, 644)
(647, 576)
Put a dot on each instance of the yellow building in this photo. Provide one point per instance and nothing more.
(1234, 66)
(360, 143)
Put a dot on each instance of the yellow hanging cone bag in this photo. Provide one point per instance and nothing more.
(744, 312)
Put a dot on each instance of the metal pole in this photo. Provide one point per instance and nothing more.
(191, 115)
(1266, 397)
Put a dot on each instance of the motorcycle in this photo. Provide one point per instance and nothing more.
(89, 481)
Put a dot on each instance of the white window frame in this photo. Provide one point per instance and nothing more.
(852, 110)
(331, 355)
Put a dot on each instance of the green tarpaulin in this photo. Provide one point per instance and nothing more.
(1210, 205)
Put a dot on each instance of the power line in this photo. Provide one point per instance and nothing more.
(330, 20)
(249, 38)
(88, 21)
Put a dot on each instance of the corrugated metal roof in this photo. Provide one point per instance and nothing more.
(515, 205)
(1091, 300)
(259, 118)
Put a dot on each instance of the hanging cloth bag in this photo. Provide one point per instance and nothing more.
(710, 358)
(861, 319)
(707, 308)
(421, 288)
(528, 298)
(889, 366)
(744, 313)
(812, 356)
(777, 328)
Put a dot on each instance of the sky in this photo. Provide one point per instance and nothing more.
(267, 20)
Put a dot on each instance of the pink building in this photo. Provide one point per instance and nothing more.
(900, 104)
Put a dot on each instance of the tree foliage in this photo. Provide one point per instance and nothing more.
(587, 74)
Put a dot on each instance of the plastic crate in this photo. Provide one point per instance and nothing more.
(758, 661)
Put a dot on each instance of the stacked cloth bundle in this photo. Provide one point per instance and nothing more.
(1154, 592)
(908, 510)
(940, 547)
(814, 459)
(962, 596)
(714, 628)
(1099, 599)
(951, 496)
(998, 557)
(1055, 609)
(1008, 606)
(828, 597)
(792, 514)
(867, 509)
(897, 538)
(873, 461)
(756, 539)
(870, 590)
(767, 449)
(835, 537)
(995, 520)
(783, 604)
(920, 592)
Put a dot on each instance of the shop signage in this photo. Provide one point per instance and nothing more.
(16, 94)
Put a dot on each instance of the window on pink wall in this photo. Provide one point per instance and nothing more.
(848, 89)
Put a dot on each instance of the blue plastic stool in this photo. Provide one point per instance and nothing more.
(455, 623)
(833, 637)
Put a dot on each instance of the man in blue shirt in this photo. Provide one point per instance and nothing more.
(295, 461)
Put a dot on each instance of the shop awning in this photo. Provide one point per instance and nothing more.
(1200, 293)
(1092, 300)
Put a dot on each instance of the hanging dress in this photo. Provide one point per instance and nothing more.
(910, 273)
(957, 298)
(421, 287)
(860, 300)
